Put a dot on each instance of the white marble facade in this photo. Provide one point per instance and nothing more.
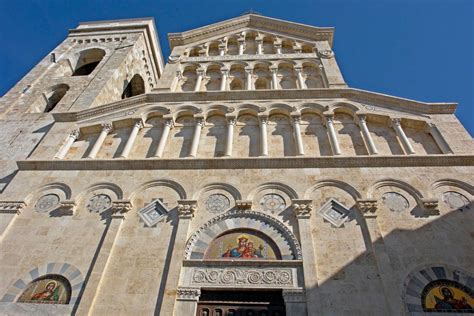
(121, 174)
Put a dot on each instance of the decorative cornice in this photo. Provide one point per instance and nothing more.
(244, 95)
(248, 57)
(250, 163)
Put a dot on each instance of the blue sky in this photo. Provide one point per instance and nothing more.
(416, 49)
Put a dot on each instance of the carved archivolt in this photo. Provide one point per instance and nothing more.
(282, 236)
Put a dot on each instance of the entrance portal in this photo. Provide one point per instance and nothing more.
(241, 303)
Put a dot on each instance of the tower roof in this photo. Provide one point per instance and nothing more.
(255, 22)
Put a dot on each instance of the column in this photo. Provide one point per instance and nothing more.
(222, 49)
(231, 121)
(274, 71)
(196, 136)
(103, 256)
(302, 210)
(169, 124)
(248, 72)
(131, 139)
(71, 138)
(241, 45)
(200, 73)
(336, 150)
(298, 138)
(277, 47)
(259, 46)
(263, 120)
(367, 137)
(299, 73)
(402, 136)
(106, 128)
(178, 299)
(438, 138)
(225, 74)
(367, 217)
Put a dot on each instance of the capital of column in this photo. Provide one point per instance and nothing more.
(75, 133)
(430, 206)
(430, 128)
(200, 72)
(248, 71)
(263, 118)
(139, 124)
(396, 121)
(179, 74)
(277, 45)
(302, 208)
(169, 122)
(200, 120)
(67, 207)
(329, 118)
(188, 293)
(225, 71)
(231, 119)
(368, 207)
(298, 69)
(121, 206)
(186, 208)
(362, 117)
(274, 69)
(107, 127)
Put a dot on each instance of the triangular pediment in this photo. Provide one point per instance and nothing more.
(256, 23)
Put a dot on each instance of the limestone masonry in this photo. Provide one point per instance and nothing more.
(242, 177)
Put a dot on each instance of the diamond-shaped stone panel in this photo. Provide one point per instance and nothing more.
(153, 212)
(334, 212)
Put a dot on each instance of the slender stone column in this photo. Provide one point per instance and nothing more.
(222, 49)
(231, 121)
(403, 137)
(248, 72)
(71, 138)
(131, 139)
(169, 124)
(175, 299)
(200, 73)
(438, 138)
(302, 210)
(274, 71)
(263, 120)
(277, 47)
(336, 150)
(367, 137)
(259, 46)
(106, 128)
(299, 73)
(225, 74)
(196, 136)
(241, 45)
(298, 138)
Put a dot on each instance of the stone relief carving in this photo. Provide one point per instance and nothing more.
(217, 203)
(272, 203)
(302, 208)
(188, 293)
(11, 207)
(327, 53)
(334, 212)
(99, 203)
(395, 201)
(153, 212)
(455, 200)
(47, 203)
(186, 208)
(243, 276)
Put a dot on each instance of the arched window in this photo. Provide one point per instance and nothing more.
(48, 100)
(135, 87)
(261, 84)
(87, 60)
(194, 52)
(236, 84)
(49, 289)
(213, 49)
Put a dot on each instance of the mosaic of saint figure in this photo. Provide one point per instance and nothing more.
(46, 291)
(50, 293)
(448, 302)
(245, 249)
(447, 296)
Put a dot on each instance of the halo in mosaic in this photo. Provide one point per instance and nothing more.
(455, 200)
(273, 203)
(47, 203)
(99, 203)
(217, 203)
(395, 201)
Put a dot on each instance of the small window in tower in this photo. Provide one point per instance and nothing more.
(48, 100)
(87, 60)
(135, 87)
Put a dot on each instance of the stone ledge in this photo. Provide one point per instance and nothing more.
(250, 163)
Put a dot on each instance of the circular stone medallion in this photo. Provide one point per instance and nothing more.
(395, 201)
(455, 200)
(47, 203)
(272, 203)
(217, 203)
(99, 203)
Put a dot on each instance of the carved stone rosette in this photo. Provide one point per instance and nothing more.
(368, 207)
(186, 208)
(11, 207)
(430, 206)
(188, 293)
(303, 208)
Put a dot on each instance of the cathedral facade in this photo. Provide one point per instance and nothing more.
(242, 177)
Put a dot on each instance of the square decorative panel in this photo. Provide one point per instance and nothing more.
(153, 212)
(334, 212)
